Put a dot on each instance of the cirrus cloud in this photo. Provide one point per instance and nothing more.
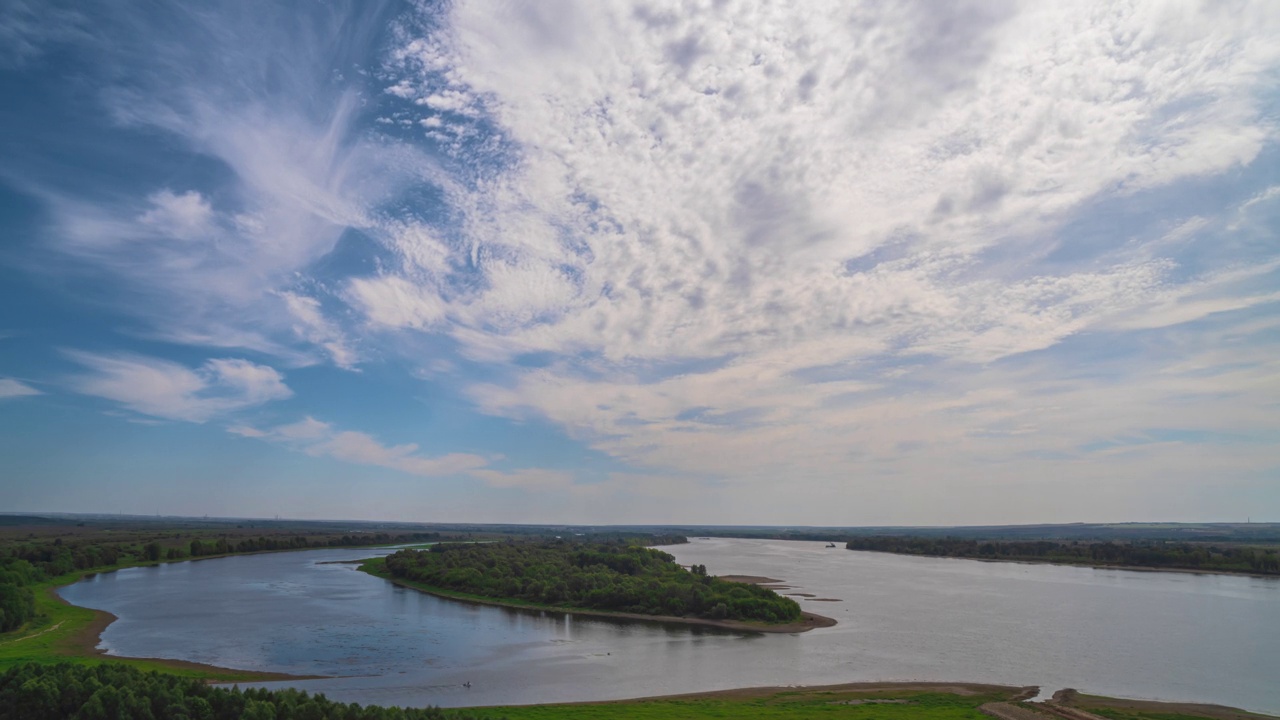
(164, 389)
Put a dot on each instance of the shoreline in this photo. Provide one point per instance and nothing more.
(1066, 703)
(808, 621)
(1092, 566)
(83, 642)
(748, 693)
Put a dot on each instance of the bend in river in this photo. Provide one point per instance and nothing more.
(1173, 636)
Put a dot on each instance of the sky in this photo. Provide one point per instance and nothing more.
(731, 262)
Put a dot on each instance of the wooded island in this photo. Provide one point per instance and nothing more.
(613, 577)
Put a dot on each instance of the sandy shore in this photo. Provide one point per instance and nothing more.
(1070, 698)
(766, 691)
(963, 689)
(752, 579)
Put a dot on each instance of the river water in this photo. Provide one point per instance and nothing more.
(1169, 636)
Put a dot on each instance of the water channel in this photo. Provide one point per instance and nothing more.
(1170, 636)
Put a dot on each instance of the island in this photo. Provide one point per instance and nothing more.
(615, 579)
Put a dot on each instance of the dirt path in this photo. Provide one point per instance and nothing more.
(38, 634)
(1009, 711)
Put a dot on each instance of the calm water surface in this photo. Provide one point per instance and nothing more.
(1174, 636)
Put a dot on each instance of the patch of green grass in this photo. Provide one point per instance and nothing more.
(788, 705)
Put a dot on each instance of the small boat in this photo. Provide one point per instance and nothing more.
(831, 544)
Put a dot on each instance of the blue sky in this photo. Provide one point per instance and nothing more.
(822, 263)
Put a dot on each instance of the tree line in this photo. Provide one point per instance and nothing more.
(111, 691)
(1172, 555)
(613, 576)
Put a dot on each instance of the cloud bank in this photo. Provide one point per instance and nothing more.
(830, 255)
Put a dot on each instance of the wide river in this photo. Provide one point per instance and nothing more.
(1170, 636)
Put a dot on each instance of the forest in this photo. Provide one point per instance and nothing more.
(112, 691)
(1152, 554)
(613, 576)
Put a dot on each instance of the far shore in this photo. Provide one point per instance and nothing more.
(1090, 565)
(808, 621)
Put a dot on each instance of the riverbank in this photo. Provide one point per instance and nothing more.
(874, 701)
(808, 621)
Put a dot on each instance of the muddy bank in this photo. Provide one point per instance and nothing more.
(751, 693)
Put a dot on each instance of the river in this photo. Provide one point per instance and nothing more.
(1168, 636)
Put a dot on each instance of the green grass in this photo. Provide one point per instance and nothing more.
(787, 705)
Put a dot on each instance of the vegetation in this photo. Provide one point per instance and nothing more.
(1256, 533)
(111, 691)
(1172, 555)
(615, 577)
(771, 705)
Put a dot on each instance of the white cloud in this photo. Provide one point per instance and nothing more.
(10, 388)
(528, 479)
(396, 302)
(324, 440)
(360, 448)
(188, 216)
(271, 99)
(827, 187)
(311, 325)
(696, 182)
(165, 389)
(819, 240)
